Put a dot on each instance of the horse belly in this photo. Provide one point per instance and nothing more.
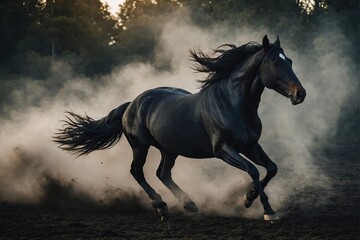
(180, 132)
(185, 142)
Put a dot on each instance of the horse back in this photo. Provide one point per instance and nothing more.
(168, 118)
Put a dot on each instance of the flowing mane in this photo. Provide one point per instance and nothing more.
(220, 67)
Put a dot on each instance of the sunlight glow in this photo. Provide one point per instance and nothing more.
(114, 5)
(309, 6)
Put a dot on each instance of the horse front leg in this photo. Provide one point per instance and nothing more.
(230, 156)
(258, 156)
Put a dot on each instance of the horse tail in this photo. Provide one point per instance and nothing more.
(82, 134)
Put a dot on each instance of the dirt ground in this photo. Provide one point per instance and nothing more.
(338, 219)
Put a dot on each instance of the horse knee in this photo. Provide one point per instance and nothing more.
(253, 172)
(272, 169)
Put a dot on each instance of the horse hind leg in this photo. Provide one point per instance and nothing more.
(140, 153)
(164, 174)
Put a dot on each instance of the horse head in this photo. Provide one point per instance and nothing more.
(276, 72)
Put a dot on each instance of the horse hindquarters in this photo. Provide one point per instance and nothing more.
(140, 140)
(148, 111)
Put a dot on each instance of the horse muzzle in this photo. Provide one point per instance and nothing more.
(298, 96)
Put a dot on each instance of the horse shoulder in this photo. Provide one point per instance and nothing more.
(233, 127)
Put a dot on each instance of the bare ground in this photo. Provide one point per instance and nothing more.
(339, 218)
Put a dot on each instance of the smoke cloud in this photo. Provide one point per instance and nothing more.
(33, 170)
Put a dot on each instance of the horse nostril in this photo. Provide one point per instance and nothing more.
(299, 95)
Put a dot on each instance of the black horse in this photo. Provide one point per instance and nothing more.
(221, 120)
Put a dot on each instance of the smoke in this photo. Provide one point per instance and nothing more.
(33, 170)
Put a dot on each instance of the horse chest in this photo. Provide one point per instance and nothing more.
(246, 132)
(245, 135)
(239, 130)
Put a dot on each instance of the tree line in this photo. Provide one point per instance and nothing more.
(93, 41)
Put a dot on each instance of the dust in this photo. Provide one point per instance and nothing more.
(33, 170)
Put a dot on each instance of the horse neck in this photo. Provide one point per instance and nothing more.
(244, 83)
(240, 91)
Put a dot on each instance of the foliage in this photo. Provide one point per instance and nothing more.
(85, 34)
(60, 28)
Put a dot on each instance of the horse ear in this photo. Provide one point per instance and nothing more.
(277, 42)
(265, 43)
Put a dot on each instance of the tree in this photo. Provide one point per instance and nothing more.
(80, 28)
(78, 31)
(140, 23)
(15, 18)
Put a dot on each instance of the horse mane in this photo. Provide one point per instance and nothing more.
(220, 67)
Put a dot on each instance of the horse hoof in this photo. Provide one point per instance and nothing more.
(272, 217)
(164, 213)
(191, 207)
(162, 210)
(247, 202)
